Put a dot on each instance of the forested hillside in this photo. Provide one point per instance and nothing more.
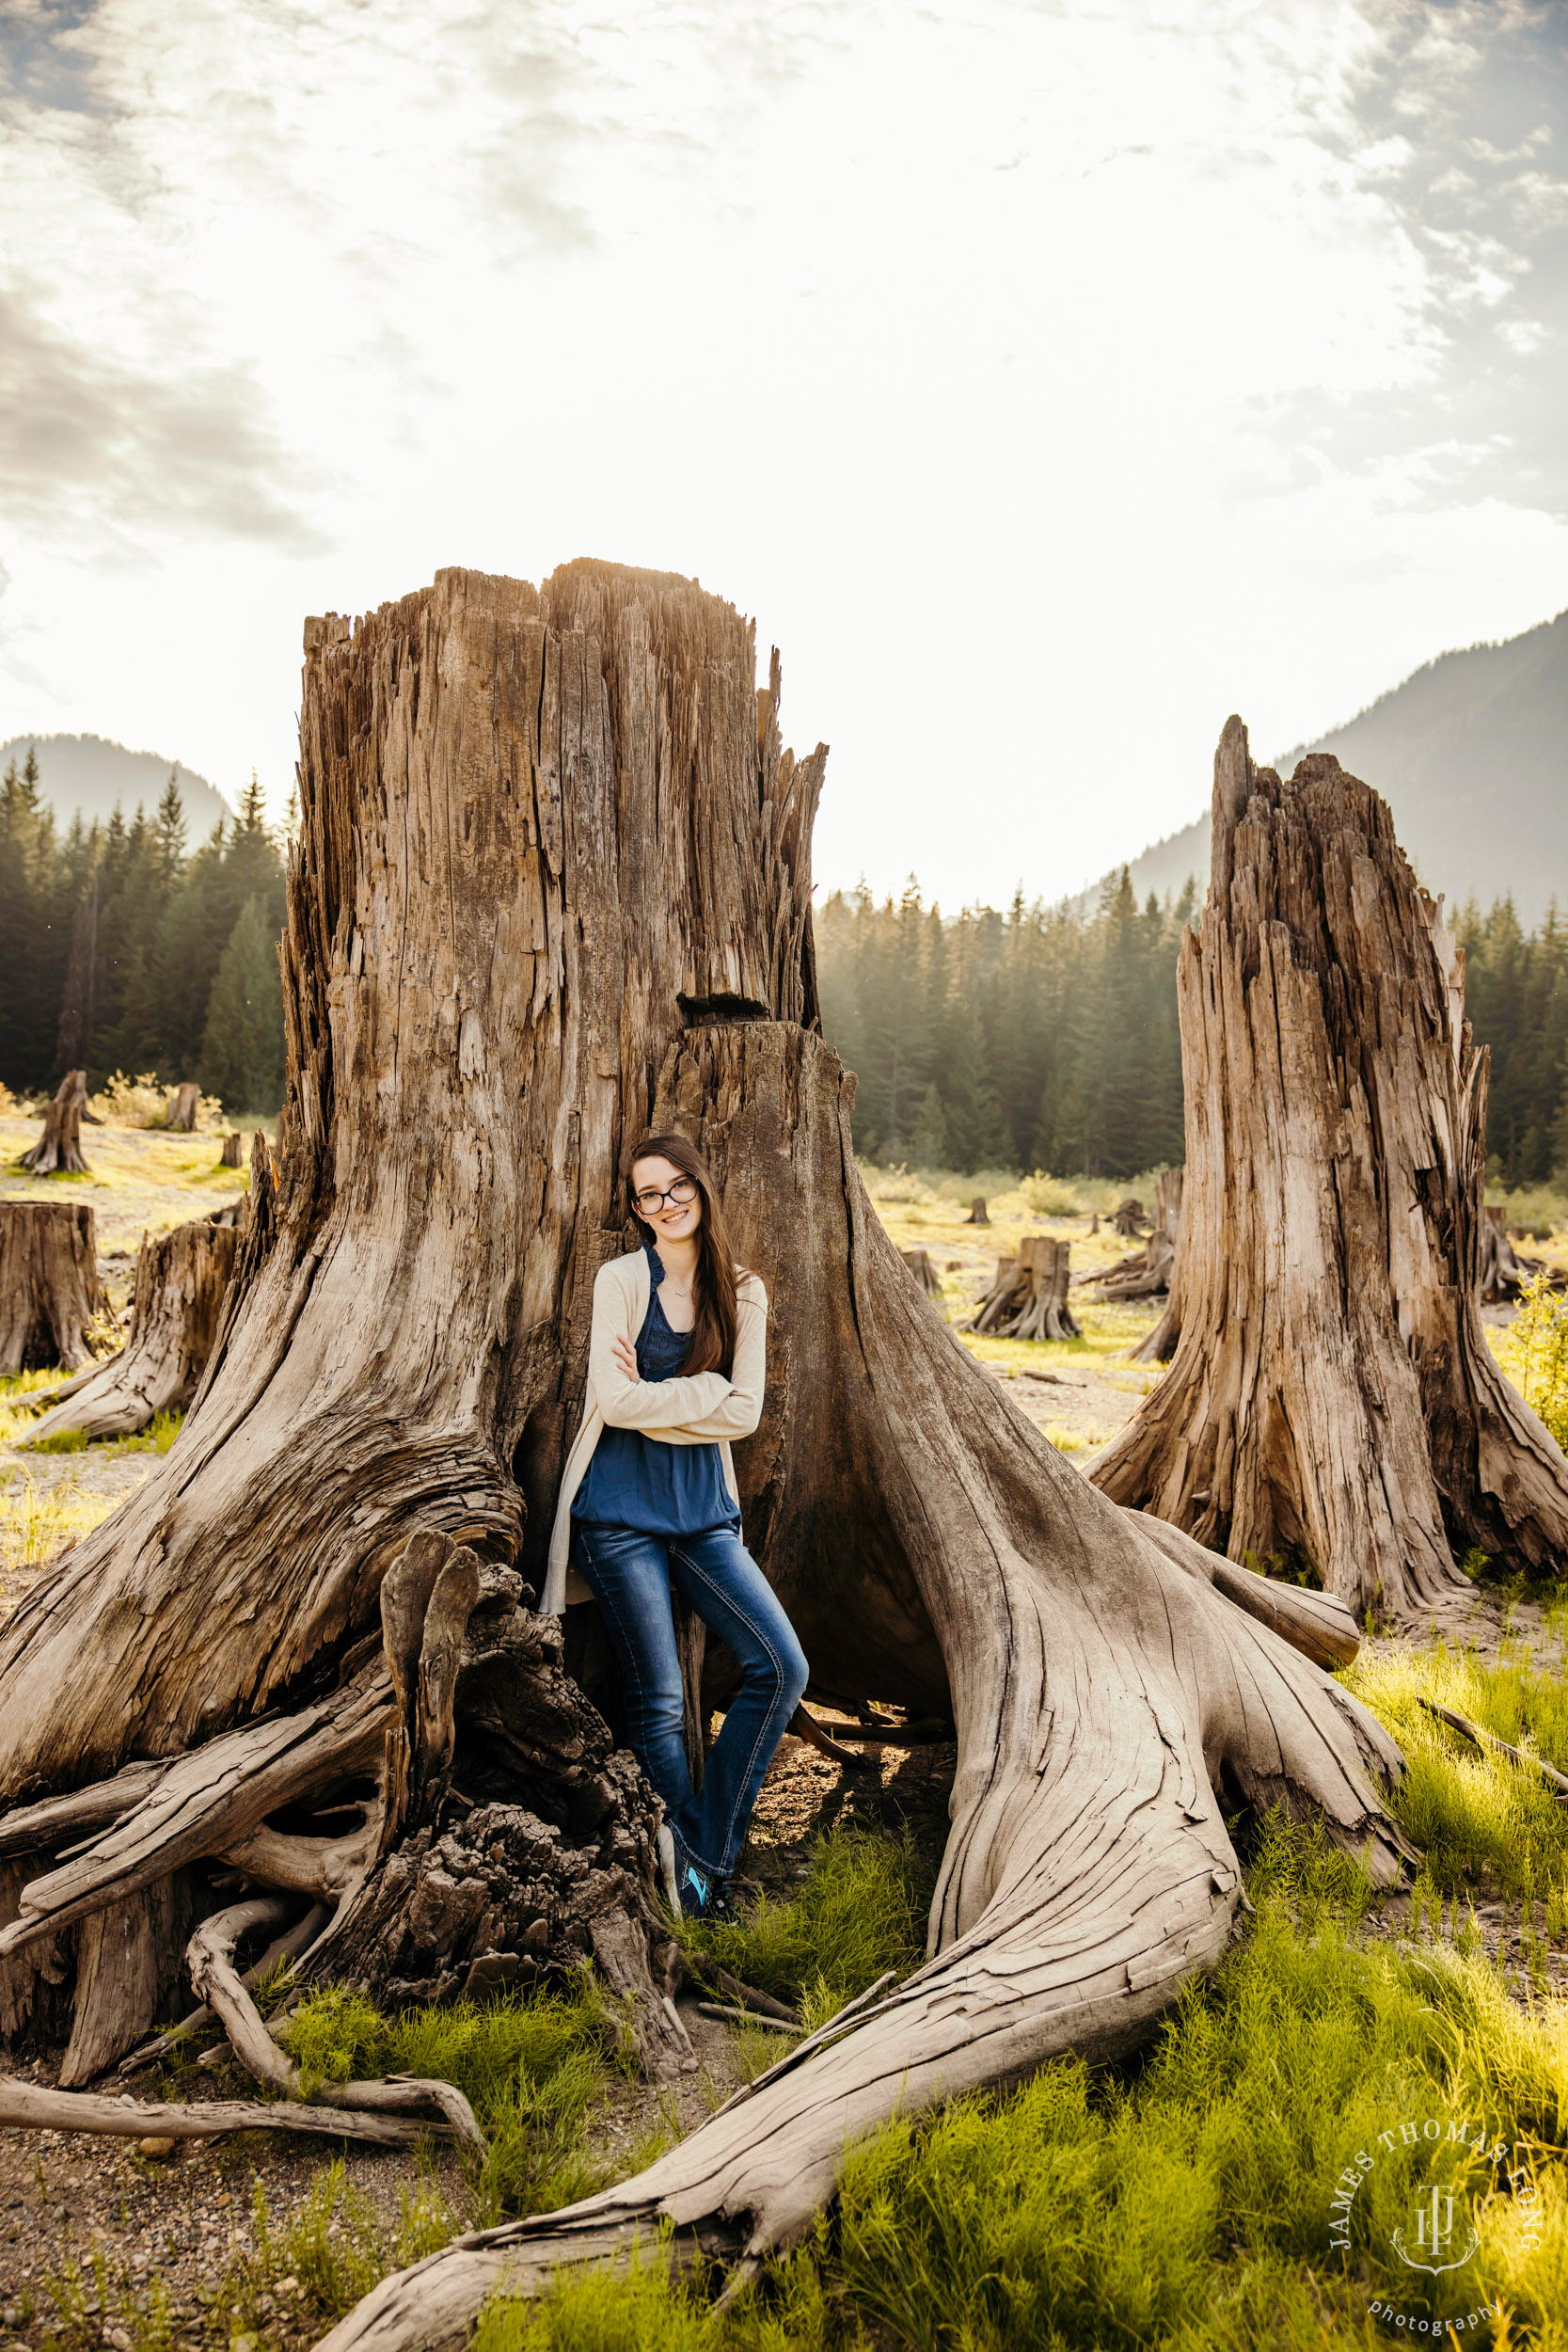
(120, 948)
(1047, 1037)
(88, 775)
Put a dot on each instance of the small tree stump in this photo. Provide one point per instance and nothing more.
(1028, 1299)
(59, 1147)
(183, 1105)
(1130, 1217)
(919, 1263)
(1503, 1272)
(181, 1280)
(49, 1286)
(229, 1156)
(977, 1210)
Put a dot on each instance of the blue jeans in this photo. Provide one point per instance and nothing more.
(630, 1575)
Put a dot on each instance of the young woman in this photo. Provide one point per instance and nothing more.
(675, 1363)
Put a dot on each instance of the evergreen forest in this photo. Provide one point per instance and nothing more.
(122, 948)
(1044, 1037)
(1047, 1037)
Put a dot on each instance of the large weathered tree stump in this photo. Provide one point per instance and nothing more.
(1331, 1393)
(49, 1293)
(1028, 1299)
(181, 1280)
(553, 886)
(58, 1149)
(229, 1155)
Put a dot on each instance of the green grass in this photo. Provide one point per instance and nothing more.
(1482, 1821)
(1180, 2202)
(1534, 1354)
(531, 2065)
(859, 1913)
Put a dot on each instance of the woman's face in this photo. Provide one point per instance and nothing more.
(671, 1220)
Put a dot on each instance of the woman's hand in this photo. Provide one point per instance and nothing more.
(626, 1358)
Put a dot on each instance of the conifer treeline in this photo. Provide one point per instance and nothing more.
(1047, 1037)
(120, 949)
(1039, 1038)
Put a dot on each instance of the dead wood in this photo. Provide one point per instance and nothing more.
(919, 1263)
(29, 2106)
(978, 1215)
(214, 1977)
(229, 1155)
(58, 1149)
(1130, 1217)
(182, 1109)
(1490, 1744)
(1331, 1393)
(1028, 1299)
(181, 1280)
(553, 881)
(1159, 1345)
(49, 1293)
(1503, 1272)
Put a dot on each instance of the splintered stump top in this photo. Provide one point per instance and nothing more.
(1331, 1394)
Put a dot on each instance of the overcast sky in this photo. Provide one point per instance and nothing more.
(1049, 377)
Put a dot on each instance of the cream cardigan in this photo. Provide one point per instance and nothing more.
(697, 1408)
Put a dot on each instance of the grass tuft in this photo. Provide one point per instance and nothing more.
(531, 2065)
(1476, 1816)
(857, 1915)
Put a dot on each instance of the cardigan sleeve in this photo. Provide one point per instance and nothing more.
(740, 1412)
(650, 1406)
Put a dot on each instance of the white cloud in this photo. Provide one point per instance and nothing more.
(1049, 379)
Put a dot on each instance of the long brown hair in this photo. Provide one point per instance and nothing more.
(713, 1293)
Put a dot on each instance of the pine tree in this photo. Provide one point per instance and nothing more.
(241, 1051)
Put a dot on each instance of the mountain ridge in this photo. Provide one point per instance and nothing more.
(92, 773)
(1471, 754)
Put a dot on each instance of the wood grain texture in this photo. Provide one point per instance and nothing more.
(1331, 1391)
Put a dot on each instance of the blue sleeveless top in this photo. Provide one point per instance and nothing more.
(634, 1481)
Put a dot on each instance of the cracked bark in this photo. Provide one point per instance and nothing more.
(1331, 1391)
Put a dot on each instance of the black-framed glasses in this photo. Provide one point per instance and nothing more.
(679, 1195)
